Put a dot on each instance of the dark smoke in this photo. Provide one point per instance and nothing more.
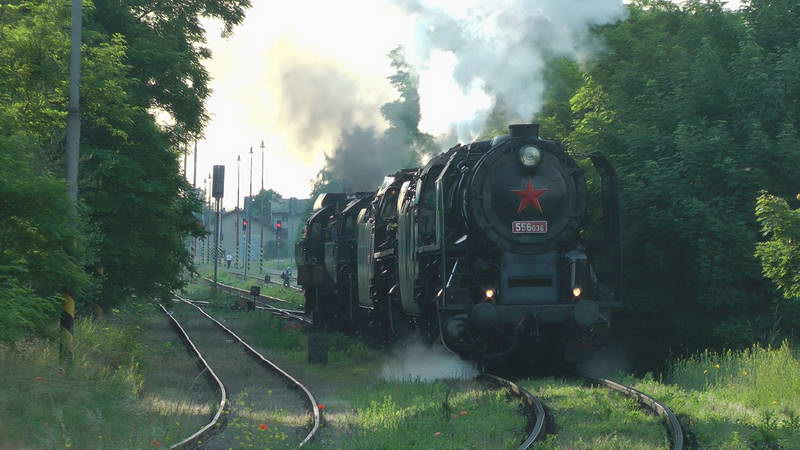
(364, 157)
(320, 101)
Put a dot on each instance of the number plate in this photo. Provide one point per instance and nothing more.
(529, 226)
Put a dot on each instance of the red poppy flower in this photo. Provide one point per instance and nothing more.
(263, 427)
(155, 443)
(321, 407)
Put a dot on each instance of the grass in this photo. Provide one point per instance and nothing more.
(418, 415)
(293, 296)
(735, 399)
(367, 412)
(596, 418)
(96, 402)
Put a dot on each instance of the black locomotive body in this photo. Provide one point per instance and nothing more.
(482, 248)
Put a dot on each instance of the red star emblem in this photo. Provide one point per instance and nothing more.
(529, 196)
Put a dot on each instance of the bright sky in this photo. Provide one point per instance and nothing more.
(246, 105)
(249, 79)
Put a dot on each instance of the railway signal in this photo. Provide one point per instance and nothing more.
(217, 191)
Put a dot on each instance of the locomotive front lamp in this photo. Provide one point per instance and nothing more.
(576, 292)
(530, 156)
(490, 293)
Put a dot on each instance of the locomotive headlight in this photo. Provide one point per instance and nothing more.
(576, 292)
(490, 293)
(530, 156)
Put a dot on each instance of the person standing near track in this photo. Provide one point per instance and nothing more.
(228, 259)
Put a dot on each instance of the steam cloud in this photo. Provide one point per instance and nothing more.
(416, 361)
(496, 50)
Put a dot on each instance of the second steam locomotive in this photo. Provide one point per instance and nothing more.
(486, 248)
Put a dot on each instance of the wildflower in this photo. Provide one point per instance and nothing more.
(463, 413)
(263, 427)
(437, 434)
(705, 371)
(155, 443)
(321, 407)
(716, 365)
(39, 378)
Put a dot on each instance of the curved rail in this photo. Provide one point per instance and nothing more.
(272, 366)
(673, 425)
(533, 404)
(206, 430)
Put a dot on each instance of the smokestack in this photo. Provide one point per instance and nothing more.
(524, 130)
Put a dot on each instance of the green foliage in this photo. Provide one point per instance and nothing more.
(755, 393)
(780, 255)
(698, 114)
(262, 199)
(135, 208)
(40, 254)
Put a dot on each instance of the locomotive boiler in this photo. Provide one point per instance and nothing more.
(487, 248)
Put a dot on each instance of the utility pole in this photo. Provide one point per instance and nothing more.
(247, 208)
(218, 190)
(73, 155)
(194, 185)
(261, 237)
(238, 241)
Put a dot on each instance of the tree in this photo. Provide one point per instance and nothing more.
(698, 116)
(41, 254)
(780, 254)
(138, 57)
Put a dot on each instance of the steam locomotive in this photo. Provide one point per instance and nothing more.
(487, 248)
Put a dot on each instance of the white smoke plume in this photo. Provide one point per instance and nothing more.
(415, 361)
(472, 53)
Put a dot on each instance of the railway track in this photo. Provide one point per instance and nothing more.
(262, 303)
(535, 408)
(536, 413)
(673, 425)
(239, 291)
(232, 365)
(217, 421)
(273, 275)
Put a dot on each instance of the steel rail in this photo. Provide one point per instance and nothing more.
(236, 290)
(285, 313)
(272, 366)
(271, 273)
(215, 422)
(533, 403)
(672, 423)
